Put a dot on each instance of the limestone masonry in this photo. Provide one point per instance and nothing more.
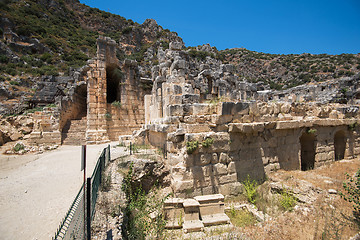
(215, 128)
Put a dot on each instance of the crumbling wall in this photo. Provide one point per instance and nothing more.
(105, 93)
(96, 89)
(181, 81)
(246, 149)
(46, 127)
(74, 107)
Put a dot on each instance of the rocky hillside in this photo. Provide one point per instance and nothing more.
(54, 37)
(51, 36)
(286, 71)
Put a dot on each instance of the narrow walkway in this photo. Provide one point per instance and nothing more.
(36, 190)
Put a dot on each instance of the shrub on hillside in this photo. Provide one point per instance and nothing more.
(352, 194)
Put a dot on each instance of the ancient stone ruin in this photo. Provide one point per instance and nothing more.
(195, 214)
(106, 102)
(216, 129)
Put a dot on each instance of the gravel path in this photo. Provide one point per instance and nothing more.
(36, 190)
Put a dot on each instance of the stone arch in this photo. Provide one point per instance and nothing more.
(114, 76)
(308, 150)
(339, 145)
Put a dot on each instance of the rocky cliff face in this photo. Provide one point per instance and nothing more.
(277, 71)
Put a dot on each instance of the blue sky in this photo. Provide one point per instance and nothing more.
(278, 26)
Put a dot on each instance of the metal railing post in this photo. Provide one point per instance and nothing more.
(108, 149)
(88, 209)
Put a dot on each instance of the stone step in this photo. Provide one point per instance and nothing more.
(74, 143)
(212, 209)
(81, 125)
(74, 136)
(74, 132)
(78, 140)
(192, 221)
(193, 226)
(215, 219)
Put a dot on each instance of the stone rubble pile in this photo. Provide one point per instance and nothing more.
(21, 148)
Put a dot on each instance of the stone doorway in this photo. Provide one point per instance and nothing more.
(339, 145)
(80, 98)
(113, 84)
(307, 142)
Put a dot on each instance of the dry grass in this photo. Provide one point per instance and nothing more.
(241, 218)
(329, 217)
(320, 177)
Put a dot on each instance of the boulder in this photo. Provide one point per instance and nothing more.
(178, 64)
(15, 136)
(147, 173)
(227, 68)
(176, 45)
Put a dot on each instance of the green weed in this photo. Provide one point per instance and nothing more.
(144, 217)
(191, 146)
(18, 147)
(250, 189)
(116, 104)
(287, 201)
(207, 142)
(352, 194)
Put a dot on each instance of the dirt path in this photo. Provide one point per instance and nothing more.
(36, 190)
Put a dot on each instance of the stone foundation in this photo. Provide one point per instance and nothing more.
(195, 214)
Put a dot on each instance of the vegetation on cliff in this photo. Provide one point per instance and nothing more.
(52, 37)
(286, 71)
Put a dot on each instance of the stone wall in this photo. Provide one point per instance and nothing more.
(96, 91)
(74, 108)
(46, 127)
(129, 114)
(214, 143)
(247, 149)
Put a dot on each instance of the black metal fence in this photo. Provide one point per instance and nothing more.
(96, 177)
(74, 224)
